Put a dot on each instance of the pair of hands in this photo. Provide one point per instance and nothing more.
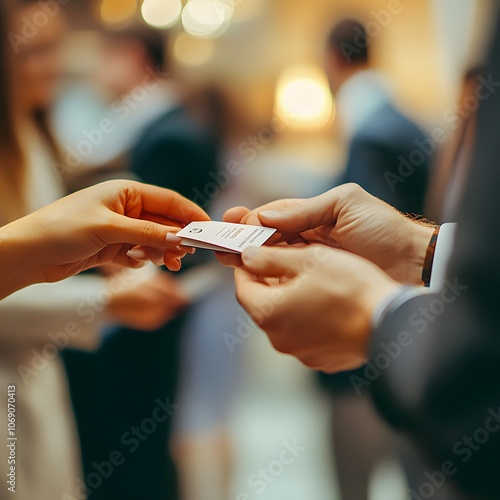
(335, 258)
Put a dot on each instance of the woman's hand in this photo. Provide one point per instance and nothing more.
(92, 227)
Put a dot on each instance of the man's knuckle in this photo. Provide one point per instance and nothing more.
(352, 189)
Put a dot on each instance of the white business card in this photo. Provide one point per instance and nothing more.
(224, 236)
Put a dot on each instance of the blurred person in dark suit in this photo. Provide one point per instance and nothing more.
(381, 141)
(134, 377)
(388, 154)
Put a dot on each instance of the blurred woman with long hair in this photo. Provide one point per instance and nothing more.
(41, 431)
(38, 321)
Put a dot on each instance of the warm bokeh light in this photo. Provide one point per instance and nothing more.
(161, 13)
(248, 10)
(303, 97)
(193, 51)
(207, 18)
(117, 11)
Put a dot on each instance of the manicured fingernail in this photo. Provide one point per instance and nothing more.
(250, 253)
(173, 238)
(137, 254)
(270, 214)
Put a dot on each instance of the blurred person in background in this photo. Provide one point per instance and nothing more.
(33, 318)
(380, 141)
(388, 153)
(163, 138)
(128, 88)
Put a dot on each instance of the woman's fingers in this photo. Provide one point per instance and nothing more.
(157, 256)
(160, 202)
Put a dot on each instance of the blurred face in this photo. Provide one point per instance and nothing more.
(122, 66)
(39, 58)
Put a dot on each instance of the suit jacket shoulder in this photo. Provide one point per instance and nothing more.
(391, 157)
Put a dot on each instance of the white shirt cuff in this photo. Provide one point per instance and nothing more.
(442, 254)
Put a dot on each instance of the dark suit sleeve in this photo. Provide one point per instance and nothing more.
(437, 358)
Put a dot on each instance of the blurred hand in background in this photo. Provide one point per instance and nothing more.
(147, 305)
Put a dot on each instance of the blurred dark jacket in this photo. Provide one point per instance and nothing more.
(391, 157)
(179, 152)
